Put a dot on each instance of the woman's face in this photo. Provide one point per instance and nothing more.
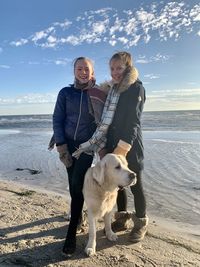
(117, 68)
(83, 71)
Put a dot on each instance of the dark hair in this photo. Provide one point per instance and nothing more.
(125, 57)
(83, 58)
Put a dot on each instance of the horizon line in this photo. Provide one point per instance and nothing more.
(145, 111)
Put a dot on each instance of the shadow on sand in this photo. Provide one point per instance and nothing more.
(47, 251)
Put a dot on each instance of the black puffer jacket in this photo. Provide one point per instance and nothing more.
(126, 124)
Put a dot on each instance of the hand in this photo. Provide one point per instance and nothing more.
(64, 155)
(78, 152)
(82, 148)
(122, 148)
(120, 151)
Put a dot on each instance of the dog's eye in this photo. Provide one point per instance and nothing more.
(118, 167)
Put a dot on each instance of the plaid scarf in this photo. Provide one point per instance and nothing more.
(98, 140)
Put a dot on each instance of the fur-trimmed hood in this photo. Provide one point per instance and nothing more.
(131, 75)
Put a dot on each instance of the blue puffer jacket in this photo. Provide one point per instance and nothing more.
(71, 118)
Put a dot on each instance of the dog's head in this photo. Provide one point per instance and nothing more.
(113, 171)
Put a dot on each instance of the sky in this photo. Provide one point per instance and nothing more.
(40, 39)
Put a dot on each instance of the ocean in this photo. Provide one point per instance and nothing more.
(152, 121)
(172, 161)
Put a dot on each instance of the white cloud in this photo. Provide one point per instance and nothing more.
(195, 13)
(191, 83)
(131, 26)
(29, 99)
(33, 63)
(177, 92)
(112, 42)
(151, 76)
(64, 25)
(62, 62)
(21, 42)
(1, 50)
(51, 39)
(117, 26)
(123, 40)
(185, 98)
(72, 40)
(39, 35)
(134, 41)
(179, 99)
(4, 66)
(142, 59)
(99, 27)
(161, 21)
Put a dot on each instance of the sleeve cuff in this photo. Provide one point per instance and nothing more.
(85, 145)
(124, 145)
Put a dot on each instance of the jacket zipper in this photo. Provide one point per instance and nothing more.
(79, 117)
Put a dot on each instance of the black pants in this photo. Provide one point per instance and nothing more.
(139, 198)
(76, 175)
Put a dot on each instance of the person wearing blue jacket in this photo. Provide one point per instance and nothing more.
(76, 115)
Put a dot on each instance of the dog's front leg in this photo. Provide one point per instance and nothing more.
(109, 232)
(91, 245)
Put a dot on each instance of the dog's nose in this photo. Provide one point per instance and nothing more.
(132, 175)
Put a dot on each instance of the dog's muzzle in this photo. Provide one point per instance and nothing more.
(133, 179)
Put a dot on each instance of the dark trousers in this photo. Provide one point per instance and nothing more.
(76, 175)
(139, 198)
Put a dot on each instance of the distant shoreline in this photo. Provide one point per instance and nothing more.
(145, 111)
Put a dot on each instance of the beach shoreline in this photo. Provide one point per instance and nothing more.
(33, 227)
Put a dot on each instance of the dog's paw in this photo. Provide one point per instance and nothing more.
(90, 251)
(111, 236)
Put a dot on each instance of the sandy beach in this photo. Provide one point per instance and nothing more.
(33, 227)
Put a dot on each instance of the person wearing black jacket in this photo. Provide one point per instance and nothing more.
(124, 137)
(120, 132)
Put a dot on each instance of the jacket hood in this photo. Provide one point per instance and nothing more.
(131, 76)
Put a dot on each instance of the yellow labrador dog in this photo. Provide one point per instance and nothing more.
(100, 192)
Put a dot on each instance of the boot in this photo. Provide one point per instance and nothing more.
(121, 221)
(140, 228)
(69, 247)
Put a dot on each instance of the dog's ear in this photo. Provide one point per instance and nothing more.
(98, 172)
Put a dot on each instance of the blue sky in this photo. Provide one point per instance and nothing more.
(40, 39)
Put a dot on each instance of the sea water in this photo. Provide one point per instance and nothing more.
(171, 175)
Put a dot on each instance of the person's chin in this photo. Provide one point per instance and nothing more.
(83, 81)
(116, 80)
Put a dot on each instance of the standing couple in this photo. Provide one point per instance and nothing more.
(89, 120)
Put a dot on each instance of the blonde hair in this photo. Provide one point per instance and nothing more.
(123, 56)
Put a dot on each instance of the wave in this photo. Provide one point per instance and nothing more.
(5, 132)
(175, 141)
(24, 120)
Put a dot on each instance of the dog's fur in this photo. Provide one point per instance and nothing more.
(100, 192)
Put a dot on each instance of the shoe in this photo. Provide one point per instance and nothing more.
(121, 221)
(139, 230)
(69, 247)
